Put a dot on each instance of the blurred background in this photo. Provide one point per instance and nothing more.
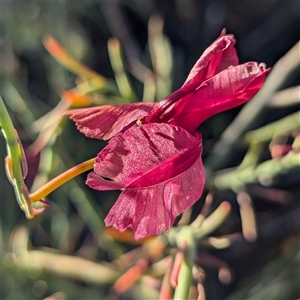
(32, 83)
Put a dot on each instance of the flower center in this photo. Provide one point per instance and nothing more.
(139, 122)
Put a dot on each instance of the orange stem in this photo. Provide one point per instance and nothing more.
(61, 179)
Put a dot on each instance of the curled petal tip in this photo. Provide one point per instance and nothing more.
(38, 211)
(223, 32)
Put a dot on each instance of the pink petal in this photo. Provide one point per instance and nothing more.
(216, 58)
(152, 210)
(229, 88)
(104, 122)
(143, 156)
(220, 55)
(159, 169)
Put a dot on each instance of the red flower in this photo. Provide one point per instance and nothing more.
(159, 169)
(154, 155)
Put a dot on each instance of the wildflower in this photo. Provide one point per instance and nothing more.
(154, 152)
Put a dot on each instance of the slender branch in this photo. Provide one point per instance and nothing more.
(112, 11)
(117, 63)
(213, 221)
(267, 170)
(64, 58)
(281, 127)
(285, 98)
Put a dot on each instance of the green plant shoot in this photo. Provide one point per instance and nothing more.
(15, 162)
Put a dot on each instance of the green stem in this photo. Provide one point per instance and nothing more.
(214, 220)
(274, 129)
(185, 236)
(115, 55)
(263, 173)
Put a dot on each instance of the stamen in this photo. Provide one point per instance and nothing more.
(61, 179)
